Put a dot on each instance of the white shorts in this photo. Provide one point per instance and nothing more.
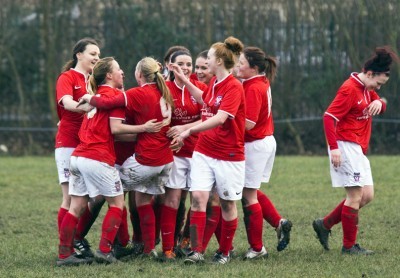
(227, 176)
(179, 177)
(146, 179)
(63, 157)
(93, 178)
(355, 169)
(260, 156)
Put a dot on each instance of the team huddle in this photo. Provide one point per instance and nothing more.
(209, 133)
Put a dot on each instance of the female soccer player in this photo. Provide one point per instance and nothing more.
(185, 115)
(201, 68)
(257, 70)
(219, 149)
(92, 169)
(71, 85)
(347, 124)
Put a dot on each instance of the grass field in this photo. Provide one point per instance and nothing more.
(300, 188)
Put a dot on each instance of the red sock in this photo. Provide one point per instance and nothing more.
(217, 231)
(211, 224)
(109, 229)
(253, 220)
(197, 226)
(147, 226)
(67, 231)
(135, 220)
(61, 213)
(157, 215)
(123, 231)
(168, 221)
(186, 230)
(228, 229)
(270, 214)
(82, 223)
(334, 217)
(349, 225)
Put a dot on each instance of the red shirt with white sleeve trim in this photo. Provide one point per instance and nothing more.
(186, 111)
(226, 141)
(350, 111)
(71, 83)
(96, 139)
(152, 149)
(258, 108)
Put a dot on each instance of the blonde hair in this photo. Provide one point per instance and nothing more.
(99, 73)
(228, 51)
(150, 70)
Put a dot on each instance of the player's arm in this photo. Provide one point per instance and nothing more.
(330, 134)
(118, 127)
(194, 91)
(105, 103)
(71, 105)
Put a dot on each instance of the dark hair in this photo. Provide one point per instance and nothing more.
(203, 54)
(228, 51)
(79, 47)
(173, 49)
(171, 75)
(381, 61)
(99, 73)
(265, 64)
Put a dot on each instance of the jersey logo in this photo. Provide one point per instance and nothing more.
(193, 100)
(359, 102)
(77, 87)
(356, 177)
(179, 112)
(218, 100)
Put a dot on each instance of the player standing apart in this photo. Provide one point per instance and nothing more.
(347, 124)
(256, 69)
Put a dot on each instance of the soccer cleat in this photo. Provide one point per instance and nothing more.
(322, 232)
(252, 255)
(183, 248)
(107, 258)
(138, 248)
(82, 247)
(194, 258)
(167, 256)
(356, 249)
(220, 258)
(123, 251)
(73, 260)
(152, 255)
(283, 234)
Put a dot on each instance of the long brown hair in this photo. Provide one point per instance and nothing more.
(98, 77)
(79, 47)
(265, 64)
(228, 51)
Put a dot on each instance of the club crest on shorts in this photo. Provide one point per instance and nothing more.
(66, 173)
(357, 177)
(118, 186)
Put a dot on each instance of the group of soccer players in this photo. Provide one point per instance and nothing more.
(210, 134)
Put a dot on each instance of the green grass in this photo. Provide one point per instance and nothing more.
(300, 188)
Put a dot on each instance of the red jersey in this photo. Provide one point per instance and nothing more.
(226, 141)
(350, 110)
(186, 111)
(152, 149)
(258, 107)
(70, 83)
(96, 140)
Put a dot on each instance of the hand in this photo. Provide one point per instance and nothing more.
(176, 144)
(152, 126)
(374, 108)
(175, 131)
(179, 75)
(84, 99)
(336, 158)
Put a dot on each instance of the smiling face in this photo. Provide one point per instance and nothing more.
(88, 58)
(375, 81)
(116, 76)
(185, 63)
(244, 70)
(201, 70)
